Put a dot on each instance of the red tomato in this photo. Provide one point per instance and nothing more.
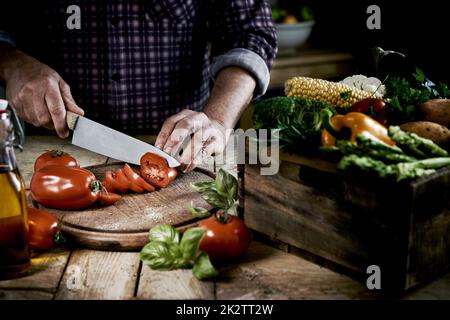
(108, 198)
(43, 229)
(116, 181)
(225, 240)
(364, 105)
(62, 187)
(156, 171)
(137, 183)
(55, 157)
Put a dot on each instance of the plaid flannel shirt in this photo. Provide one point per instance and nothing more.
(134, 63)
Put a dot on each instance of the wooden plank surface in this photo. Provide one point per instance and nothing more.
(36, 145)
(100, 275)
(45, 272)
(24, 295)
(268, 273)
(176, 284)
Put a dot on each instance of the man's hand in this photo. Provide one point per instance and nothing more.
(37, 92)
(197, 135)
(232, 91)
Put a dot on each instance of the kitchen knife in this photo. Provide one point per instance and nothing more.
(98, 138)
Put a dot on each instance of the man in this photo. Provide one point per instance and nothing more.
(139, 66)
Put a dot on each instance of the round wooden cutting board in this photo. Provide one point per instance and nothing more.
(125, 225)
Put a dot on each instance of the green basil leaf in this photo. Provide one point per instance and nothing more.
(199, 212)
(203, 186)
(157, 256)
(214, 199)
(203, 268)
(190, 242)
(226, 184)
(164, 233)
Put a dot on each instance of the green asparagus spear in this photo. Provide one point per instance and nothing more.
(373, 149)
(400, 171)
(417, 146)
(370, 143)
(390, 157)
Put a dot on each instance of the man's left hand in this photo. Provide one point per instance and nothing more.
(194, 135)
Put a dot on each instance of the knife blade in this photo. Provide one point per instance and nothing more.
(100, 139)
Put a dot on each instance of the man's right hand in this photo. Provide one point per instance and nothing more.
(37, 92)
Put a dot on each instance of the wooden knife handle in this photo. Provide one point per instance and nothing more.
(71, 119)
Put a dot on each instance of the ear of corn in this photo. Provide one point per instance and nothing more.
(336, 94)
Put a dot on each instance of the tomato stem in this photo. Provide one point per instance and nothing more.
(96, 186)
(222, 216)
(58, 238)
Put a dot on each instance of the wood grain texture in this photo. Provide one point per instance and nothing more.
(429, 241)
(173, 285)
(286, 210)
(268, 273)
(36, 145)
(125, 225)
(45, 272)
(25, 295)
(99, 275)
(437, 290)
(71, 119)
(355, 219)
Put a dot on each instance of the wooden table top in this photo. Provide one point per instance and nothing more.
(265, 273)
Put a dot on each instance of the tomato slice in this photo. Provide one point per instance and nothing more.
(109, 183)
(122, 180)
(137, 183)
(156, 171)
(116, 181)
(108, 198)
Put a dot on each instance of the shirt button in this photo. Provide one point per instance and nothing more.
(115, 21)
(116, 77)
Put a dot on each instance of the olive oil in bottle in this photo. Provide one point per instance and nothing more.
(14, 251)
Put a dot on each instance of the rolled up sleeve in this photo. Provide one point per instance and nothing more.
(243, 35)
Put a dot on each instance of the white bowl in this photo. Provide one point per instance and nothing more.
(292, 36)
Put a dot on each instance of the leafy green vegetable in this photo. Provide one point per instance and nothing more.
(165, 251)
(299, 120)
(221, 193)
(203, 268)
(226, 184)
(164, 233)
(157, 255)
(190, 242)
(403, 95)
(203, 186)
(199, 212)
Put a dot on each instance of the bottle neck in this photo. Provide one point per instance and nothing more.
(7, 156)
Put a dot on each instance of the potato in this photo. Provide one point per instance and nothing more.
(436, 110)
(429, 130)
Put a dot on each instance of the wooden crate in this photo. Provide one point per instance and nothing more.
(355, 220)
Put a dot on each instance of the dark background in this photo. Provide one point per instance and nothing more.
(419, 29)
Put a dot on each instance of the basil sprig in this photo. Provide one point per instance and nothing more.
(166, 251)
(222, 193)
